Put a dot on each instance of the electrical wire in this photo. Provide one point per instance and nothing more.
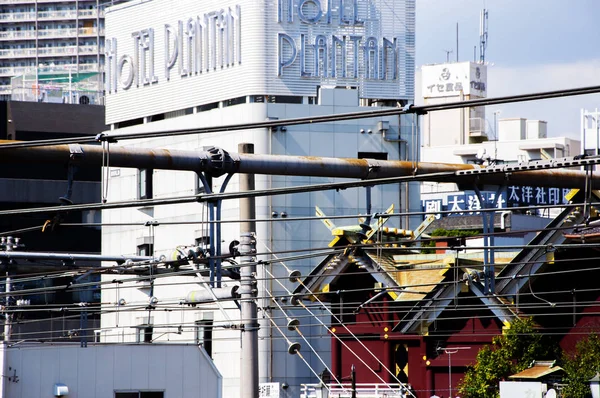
(340, 340)
(313, 119)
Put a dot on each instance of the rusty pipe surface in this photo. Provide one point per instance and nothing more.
(216, 162)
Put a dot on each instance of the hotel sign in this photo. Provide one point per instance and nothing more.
(194, 45)
(347, 51)
(200, 52)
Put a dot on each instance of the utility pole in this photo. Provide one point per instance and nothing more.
(8, 244)
(248, 286)
(457, 42)
(449, 352)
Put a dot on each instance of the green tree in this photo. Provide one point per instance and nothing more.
(580, 366)
(509, 353)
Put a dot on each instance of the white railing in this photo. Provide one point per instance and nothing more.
(66, 50)
(48, 51)
(50, 33)
(20, 70)
(48, 15)
(5, 89)
(18, 52)
(26, 1)
(363, 390)
(16, 70)
(17, 16)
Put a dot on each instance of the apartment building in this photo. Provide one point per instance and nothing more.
(51, 42)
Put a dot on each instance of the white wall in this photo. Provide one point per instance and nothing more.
(339, 139)
(97, 371)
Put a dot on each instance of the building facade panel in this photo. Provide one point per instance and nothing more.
(196, 53)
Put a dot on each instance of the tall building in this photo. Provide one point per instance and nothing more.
(212, 63)
(50, 42)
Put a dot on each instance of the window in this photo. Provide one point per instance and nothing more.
(204, 331)
(139, 394)
(202, 241)
(146, 249)
(143, 334)
(373, 155)
(145, 183)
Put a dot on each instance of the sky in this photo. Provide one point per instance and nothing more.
(533, 46)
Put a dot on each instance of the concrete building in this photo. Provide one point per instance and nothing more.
(468, 136)
(590, 132)
(24, 185)
(40, 38)
(106, 370)
(249, 62)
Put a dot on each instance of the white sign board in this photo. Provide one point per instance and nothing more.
(268, 390)
(522, 389)
(449, 80)
(163, 56)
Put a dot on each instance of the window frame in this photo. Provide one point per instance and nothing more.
(145, 184)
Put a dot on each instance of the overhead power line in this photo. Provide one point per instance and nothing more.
(107, 136)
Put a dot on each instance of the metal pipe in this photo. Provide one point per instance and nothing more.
(70, 256)
(310, 166)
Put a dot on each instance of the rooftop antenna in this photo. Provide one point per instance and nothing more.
(448, 52)
(483, 34)
(457, 42)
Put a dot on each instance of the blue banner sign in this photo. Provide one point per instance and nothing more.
(467, 202)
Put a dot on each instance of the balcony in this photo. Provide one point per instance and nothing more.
(50, 33)
(48, 15)
(21, 70)
(5, 89)
(18, 53)
(17, 16)
(27, 1)
(48, 52)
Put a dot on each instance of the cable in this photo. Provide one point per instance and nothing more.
(297, 329)
(339, 339)
(315, 119)
(295, 349)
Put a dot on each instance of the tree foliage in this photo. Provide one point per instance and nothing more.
(508, 354)
(580, 366)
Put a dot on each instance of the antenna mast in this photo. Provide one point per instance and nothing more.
(448, 52)
(483, 34)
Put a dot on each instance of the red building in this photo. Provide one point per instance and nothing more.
(420, 319)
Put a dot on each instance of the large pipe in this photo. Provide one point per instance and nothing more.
(7, 254)
(218, 162)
